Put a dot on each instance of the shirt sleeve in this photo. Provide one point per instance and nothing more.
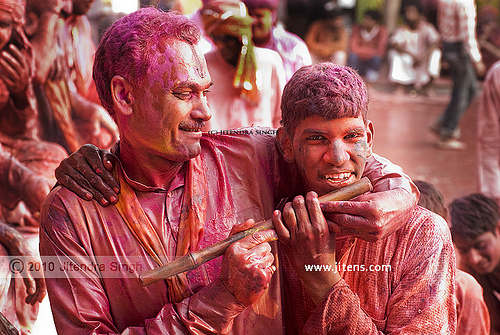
(386, 176)
(81, 305)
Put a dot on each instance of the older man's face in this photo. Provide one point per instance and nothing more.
(170, 106)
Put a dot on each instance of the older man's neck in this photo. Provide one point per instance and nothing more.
(150, 170)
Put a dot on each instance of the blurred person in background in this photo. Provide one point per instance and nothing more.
(248, 80)
(327, 37)
(368, 45)
(475, 227)
(488, 35)
(70, 113)
(488, 135)
(473, 317)
(414, 57)
(267, 33)
(26, 169)
(457, 27)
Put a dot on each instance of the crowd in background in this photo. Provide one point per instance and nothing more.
(49, 106)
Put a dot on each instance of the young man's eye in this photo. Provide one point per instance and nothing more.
(316, 138)
(354, 135)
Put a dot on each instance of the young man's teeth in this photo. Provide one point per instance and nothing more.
(338, 177)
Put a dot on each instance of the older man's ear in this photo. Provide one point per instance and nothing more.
(122, 93)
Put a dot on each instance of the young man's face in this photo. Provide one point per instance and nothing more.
(330, 153)
(170, 106)
(481, 254)
(263, 22)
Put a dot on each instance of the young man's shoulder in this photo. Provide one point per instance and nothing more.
(425, 233)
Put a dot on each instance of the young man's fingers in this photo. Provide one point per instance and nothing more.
(279, 227)
(101, 163)
(315, 213)
(303, 222)
(289, 220)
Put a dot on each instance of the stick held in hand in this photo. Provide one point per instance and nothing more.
(194, 259)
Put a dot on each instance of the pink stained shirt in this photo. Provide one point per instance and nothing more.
(414, 294)
(488, 135)
(73, 231)
(473, 317)
(229, 110)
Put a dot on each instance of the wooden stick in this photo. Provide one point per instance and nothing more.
(194, 259)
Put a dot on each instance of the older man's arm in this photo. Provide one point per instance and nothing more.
(370, 217)
(80, 302)
(376, 215)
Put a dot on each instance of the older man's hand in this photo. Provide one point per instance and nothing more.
(372, 216)
(247, 266)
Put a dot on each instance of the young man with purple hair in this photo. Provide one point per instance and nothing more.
(404, 283)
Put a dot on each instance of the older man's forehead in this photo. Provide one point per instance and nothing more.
(176, 62)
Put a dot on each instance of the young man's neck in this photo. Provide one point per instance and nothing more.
(150, 170)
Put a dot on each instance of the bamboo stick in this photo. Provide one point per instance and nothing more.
(194, 259)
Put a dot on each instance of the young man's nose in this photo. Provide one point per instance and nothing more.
(337, 155)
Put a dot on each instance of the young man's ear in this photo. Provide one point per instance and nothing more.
(123, 98)
(369, 137)
(285, 144)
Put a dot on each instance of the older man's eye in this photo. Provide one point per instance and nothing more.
(182, 95)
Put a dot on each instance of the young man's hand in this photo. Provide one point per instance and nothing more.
(247, 266)
(87, 172)
(308, 241)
